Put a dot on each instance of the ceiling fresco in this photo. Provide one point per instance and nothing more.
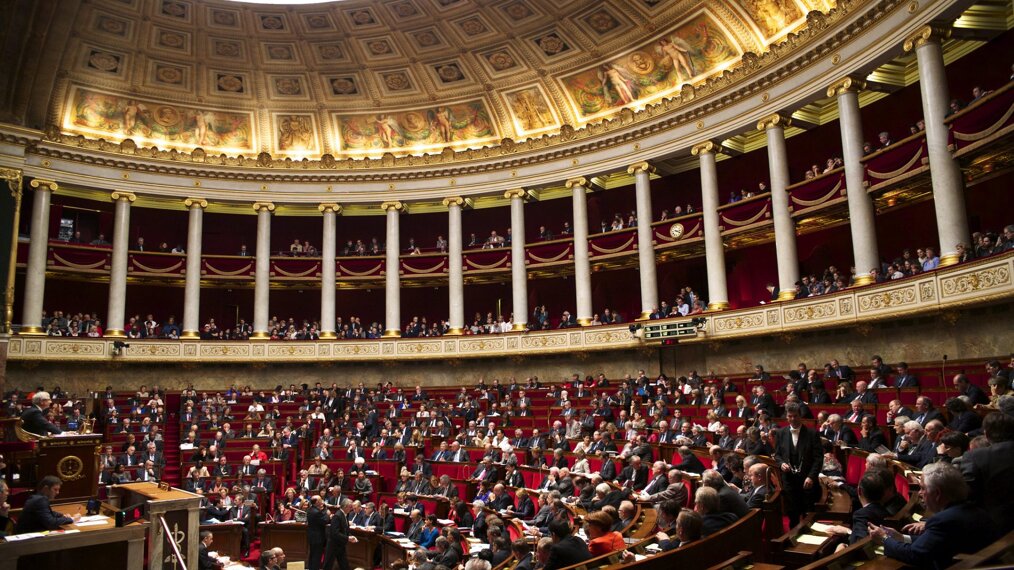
(360, 78)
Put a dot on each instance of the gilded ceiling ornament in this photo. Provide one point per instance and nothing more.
(104, 61)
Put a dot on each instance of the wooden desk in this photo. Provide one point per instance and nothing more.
(291, 537)
(97, 547)
(228, 538)
(181, 511)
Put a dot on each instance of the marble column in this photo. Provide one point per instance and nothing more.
(118, 272)
(785, 229)
(945, 174)
(192, 285)
(455, 275)
(392, 270)
(262, 271)
(642, 172)
(328, 270)
(519, 269)
(582, 267)
(862, 217)
(714, 247)
(35, 274)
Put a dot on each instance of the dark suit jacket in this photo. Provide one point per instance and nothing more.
(918, 457)
(690, 464)
(989, 472)
(525, 563)
(205, 561)
(846, 435)
(872, 513)
(716, 522)
(38, 516)
(503, 502)
(35, 422)
(338, 532)
(567, 552)
(809, 451)
(316, 526)
(525, 508)
(638, 479)
(731, 502)
(448, 558)
(755, 497)
(957, 529)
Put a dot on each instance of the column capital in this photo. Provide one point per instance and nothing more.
(453, 201)
(774, 120)
(578, 181)
(195, 202)
(845, 85)
(329, 207)
(640, 166)
(42, 184)
(14, 178)
(706, 147)
(926, 35)
(261, 206)
(516, 193)
(116, 196)
(393, 205)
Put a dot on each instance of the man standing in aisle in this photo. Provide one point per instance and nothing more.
(338, 538)
(316, 531)
(798, 451)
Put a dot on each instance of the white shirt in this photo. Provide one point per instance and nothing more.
(795, 435)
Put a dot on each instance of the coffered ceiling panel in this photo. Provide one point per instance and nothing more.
(366, 77)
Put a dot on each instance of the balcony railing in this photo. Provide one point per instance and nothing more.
(985, 281)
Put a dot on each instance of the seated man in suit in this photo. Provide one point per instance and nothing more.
(674, 489)
(567, 549)
(956, 527)
(37, 516)
(871, 493)
(688, 462)
(445, 555)
(758, 488)
(920, 449)
(839, 433)
(204, 559)
(500, 500)
(34, 418)
(709, 506)
(729, 500)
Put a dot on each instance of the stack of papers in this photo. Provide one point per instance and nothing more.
(93, 518)
(820, 527)
(811, 539)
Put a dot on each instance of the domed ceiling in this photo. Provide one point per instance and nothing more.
(359, 78)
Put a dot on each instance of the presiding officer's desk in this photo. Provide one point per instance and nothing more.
(291, 538)
(99, 546)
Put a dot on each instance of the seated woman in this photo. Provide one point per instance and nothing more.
(601, 538)
(872, 438)
(430, 532)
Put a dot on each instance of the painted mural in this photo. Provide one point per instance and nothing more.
(456, 124)
(165, 124)
(530, 110)
(688, 53)
(773, 17)
(295, 134)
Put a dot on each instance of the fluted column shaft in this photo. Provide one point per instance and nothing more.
(328, 270)
(519, 271)
(785, 228)
(714, 249)
(192, 285)
(455, 275)
(862, 217)
(35, 275)
(582, 266)
(645, 239)
(392, 269)
(262, 271)
(945, 174)
(118, 265)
